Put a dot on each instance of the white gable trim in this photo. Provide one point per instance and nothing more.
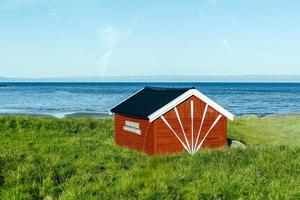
(185, 96)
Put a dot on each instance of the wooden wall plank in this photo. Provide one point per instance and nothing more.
(143, 142)
(168, 143)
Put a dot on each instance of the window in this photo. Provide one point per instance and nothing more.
(132, 127)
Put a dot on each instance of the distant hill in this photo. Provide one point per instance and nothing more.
(233, 78)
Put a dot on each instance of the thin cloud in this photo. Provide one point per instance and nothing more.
(213, 2)
(104, 61)
(225, 42)
(52, 11)
(111, 37)
(15, 4)
(222, 41)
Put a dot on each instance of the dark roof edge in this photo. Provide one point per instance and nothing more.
(112, 108)
(132, 116)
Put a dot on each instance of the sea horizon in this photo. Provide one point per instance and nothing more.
(251, 78)
(60, 99)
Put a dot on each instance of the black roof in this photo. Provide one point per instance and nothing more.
(147, 101)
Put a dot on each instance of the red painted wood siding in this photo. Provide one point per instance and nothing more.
(157, 138)
(167, 142)
(143, 142)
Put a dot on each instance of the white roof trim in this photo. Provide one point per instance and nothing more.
(183, 97)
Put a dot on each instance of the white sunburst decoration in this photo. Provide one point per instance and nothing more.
(192, 147)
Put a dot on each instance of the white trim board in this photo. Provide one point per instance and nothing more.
(185, 96)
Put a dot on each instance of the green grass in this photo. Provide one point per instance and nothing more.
(271, 130)
(47, 158)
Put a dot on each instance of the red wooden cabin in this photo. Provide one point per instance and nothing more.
(168, 120)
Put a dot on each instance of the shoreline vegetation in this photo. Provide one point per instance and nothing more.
(104, 115)
(61, 116)
(43, 157)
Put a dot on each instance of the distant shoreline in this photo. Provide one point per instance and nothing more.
(104, 115)
(149, 82)
(60, 116)
(161, 78)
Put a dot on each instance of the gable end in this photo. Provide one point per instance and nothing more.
(185, 96)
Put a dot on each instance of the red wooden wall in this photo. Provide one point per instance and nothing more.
(157, 138)
(143, 142)
(167, 142)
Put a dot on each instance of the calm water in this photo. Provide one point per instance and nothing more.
(60, 99)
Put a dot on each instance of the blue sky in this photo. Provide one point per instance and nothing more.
(45, 38)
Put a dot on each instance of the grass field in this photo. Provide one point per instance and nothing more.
(75, 158)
